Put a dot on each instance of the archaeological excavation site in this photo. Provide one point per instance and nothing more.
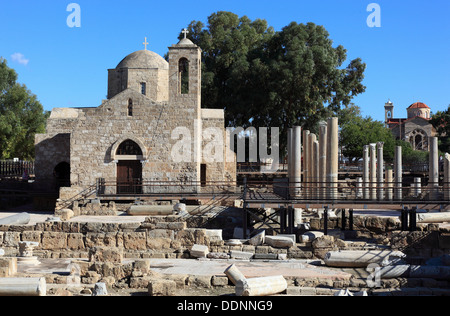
(134, 198)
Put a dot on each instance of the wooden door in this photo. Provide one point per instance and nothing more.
(129, 177)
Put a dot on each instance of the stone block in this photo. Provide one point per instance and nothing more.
(171, 225)
(160, 233)
(135, 241)
(258, 239)
(199, 251)
(241, 255)
(219, 280)
(279, 242)
(106, 254)
(54, 240)
(35, 236)
(75, 241)
(159, 243)
(200, 281)
(8, 267)
(162, 288)
(11, 239)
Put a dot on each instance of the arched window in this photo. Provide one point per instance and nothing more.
(143, 88)
(129, 148)
(130, 107)
(183, 76)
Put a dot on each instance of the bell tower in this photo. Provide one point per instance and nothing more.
(388, 112)
(185, 73)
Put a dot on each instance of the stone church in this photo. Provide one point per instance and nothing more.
(128, 141)
(414, 129)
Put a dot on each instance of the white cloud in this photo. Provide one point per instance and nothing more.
(20, 58)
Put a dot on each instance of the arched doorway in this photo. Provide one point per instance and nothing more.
(62, 175)
(129, 168)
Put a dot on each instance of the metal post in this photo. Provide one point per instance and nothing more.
(350, 220)
(404, 219)
(413, 219)
(290, 220)
(344, 220)
(325, 221)
(283, 220)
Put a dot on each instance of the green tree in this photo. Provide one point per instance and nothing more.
(441, 122)
(275, 79)
(358, 132)
(21, 116)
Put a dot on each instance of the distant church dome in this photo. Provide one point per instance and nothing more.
(418, 105)
(143, 59)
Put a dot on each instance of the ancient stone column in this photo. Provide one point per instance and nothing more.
(359, 190)
(305, 163)
(312, 166)
(297, 159)
(332, 157)
(373, 171)
(316, 171)
(233, 273)
(261, 286)
(417, 187)
(433, 181)
(389, 184)
(290, 160)
(322, 159)
(23, 287)
(398, 173)
(366, 173)
(380, 173)
(446, 177)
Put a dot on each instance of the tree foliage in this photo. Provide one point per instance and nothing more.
(275, 79)
(21, 116)
(441, 122)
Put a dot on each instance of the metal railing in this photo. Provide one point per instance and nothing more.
(10, 168)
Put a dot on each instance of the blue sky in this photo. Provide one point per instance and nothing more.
(408, 57)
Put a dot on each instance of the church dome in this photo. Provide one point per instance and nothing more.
(143, 59)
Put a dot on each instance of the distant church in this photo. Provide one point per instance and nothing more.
(129, 139)
(414, 129)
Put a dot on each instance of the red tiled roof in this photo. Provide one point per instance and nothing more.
(418, 105)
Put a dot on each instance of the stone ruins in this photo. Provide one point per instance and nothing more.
(129, 220)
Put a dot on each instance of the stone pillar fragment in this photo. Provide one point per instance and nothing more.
(389, 185)
(23, 287)
(312, 166)
(373, 171)
(433, 181)
(446, 186)
(233, 273)
(332, 157)
(261, 286)
(366, 172)
(398, 173)
(306, 153)
(322, 159)
(316, 171)
(297, 160)
(380, 172)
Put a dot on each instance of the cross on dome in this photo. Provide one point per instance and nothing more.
(145, 44)
(185, 32)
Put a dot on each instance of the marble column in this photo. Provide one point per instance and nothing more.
(312, 166)
(366, 172)
(373, 171)
(433, 181)
(398, 173)
(297, 159)
(447, 177)
(290, 160)
(316, 171)
(332, 157)
(305, 163)
(389, 184)
(380, 172)
(322, 159)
